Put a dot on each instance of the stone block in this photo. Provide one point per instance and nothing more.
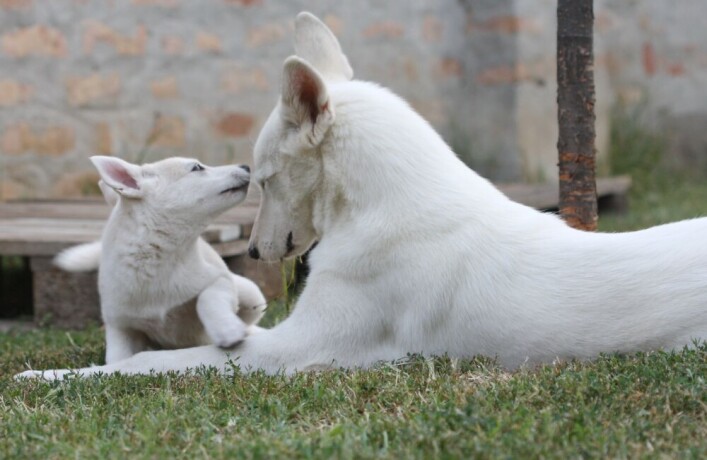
(92, 90)
(51, 140)
(173, 45)
(235, 124)
(15, 4)
(36, 40)
(66, 300)
(335, 23)
(160, 3)
(266, 34)
(168, 131)
(97, 32)
(78, 184)
(238, 79)
(103, 139)
(431, 29)
(13, 190)
(245, 3)
(165, 88)
(13, 92)
(384, 29)
(208, 42)
(449, 67)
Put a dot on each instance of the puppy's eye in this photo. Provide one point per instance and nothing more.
(197, 167)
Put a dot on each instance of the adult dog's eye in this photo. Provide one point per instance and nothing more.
(197, 167)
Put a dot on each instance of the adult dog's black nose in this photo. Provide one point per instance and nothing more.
(246, 167)
(253, 252)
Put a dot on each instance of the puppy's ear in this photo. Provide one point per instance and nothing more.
(316, 43)
(108, 193)
(305, 101)
(123, 177)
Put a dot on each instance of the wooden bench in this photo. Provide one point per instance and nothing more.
(611, 194)
(38, 230)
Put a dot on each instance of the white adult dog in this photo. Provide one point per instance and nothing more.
(161, 285)
(418, 254)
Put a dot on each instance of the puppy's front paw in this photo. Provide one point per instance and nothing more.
(228, 335)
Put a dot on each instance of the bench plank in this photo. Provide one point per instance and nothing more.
(91, 209)
(546, 196)
(33, 236)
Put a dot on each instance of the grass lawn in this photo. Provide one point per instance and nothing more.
(650, 405)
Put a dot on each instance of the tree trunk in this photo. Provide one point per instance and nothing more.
(575, 113)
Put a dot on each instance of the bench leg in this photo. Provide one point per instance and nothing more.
(268, 277)
(62, 299)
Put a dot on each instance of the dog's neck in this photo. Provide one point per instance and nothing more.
(376, 158)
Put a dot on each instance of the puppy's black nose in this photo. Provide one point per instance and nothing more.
(254, 253)
(246, 168)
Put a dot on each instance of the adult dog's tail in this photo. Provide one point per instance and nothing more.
(80, 258)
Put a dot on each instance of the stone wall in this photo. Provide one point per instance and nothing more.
(655, 54)
(145, 79)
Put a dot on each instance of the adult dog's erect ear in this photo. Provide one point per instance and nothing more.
(121, 176)
(305, 101)
(316, 43)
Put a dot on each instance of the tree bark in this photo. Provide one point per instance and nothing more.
(575, 113)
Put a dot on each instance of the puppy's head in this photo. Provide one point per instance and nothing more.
(288, 159)
(180, 188)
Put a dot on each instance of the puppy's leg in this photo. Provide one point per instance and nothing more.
(251, 301)
(334, 324)
(122, 343)
(145, 363)
(215, 309)
(290, 346)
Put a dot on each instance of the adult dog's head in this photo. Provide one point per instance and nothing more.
(288, 157)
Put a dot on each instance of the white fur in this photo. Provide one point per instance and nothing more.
(418, 254)
(160, 284)
(79, 258)
(85, 257)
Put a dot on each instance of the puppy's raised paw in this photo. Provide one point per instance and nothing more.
(228, 335)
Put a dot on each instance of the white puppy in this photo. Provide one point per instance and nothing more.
(418, 254)
(161, 285)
